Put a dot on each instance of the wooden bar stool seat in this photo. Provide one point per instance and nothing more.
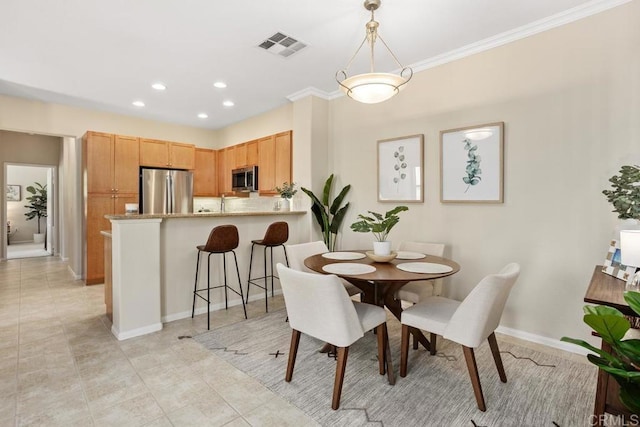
(222, 240)
(276, 235)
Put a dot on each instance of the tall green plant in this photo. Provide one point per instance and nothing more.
(37, 202)
(329, 214)
(623, 363)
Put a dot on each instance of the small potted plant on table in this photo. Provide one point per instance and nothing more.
(287, 191)
(380, 225)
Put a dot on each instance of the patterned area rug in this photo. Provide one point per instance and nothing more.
(542, 390)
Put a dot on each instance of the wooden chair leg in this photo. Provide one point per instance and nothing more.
(381, 349)
(475, 378)
(496, 357)
(404, 350)
(390, 373)
(432, 349)
(343, 352)
(415, 343)
(293, 351)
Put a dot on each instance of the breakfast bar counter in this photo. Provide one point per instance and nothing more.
(154, 260)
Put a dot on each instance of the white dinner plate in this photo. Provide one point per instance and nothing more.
(349, 268)
(409, 255)
(424, 267)
(343, 255)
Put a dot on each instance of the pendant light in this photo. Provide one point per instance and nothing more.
(373, 87)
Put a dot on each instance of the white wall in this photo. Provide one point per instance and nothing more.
(24, 176)
(570, 100)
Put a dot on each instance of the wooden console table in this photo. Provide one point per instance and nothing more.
(607, 290)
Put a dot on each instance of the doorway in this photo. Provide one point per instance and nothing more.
(29, 207)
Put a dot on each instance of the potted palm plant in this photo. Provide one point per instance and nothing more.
(37, 207)
(380, 225)
(329, 213)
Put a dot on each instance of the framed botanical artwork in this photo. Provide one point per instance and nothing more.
(14, 193)
(472, 164)
(400, 169)
(613, 266)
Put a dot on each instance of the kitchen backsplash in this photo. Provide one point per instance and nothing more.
(253, 203)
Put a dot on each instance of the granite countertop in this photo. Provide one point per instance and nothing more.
(204, 214)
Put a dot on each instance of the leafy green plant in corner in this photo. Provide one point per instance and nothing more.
(623, 363)
(329, 214)
(625, 195)
(473, 165)
(378, 224)
(37, 207)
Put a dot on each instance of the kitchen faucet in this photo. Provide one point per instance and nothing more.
(222, 203)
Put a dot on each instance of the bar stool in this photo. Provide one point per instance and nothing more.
(222, 239)
(276, 235)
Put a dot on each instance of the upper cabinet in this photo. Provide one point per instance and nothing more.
(274, 161)
(111, 163)
(205, 174)
(252, 153)
(165, 154)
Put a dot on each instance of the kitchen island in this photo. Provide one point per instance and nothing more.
(154, 263)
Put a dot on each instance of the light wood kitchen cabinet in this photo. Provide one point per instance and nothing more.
(252, 153)
(111, 166)
(205, 174)
(224, 178)
(274, 161)
(283, 158)
(165, 154)
(240, 156)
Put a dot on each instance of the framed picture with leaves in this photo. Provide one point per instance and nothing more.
(472, 164)
(400, 169)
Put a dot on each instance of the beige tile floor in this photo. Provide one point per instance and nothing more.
(60, 364)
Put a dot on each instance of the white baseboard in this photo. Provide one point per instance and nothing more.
(135, 332)
(73, 273)
(539, 339)
(214, 307)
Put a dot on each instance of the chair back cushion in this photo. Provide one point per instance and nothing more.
(479, 314)
(435, 249)
(319, 306)
(222, 238)
(298, 253)
(277, 233)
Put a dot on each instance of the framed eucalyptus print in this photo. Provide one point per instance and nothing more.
(400, 169)
(472, 164)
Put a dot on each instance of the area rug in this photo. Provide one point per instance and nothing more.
(542, 390)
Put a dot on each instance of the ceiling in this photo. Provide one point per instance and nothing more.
(104, 54)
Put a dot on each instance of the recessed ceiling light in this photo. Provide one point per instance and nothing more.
(220, 85)
(138, 103)
(158, 86)
(228, 103)
(203, 115)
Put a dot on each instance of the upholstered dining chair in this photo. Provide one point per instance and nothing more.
(468, 323)
(417, 291)
(318, 305)
(298, 253)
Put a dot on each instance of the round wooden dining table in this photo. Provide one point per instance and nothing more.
(380, 286)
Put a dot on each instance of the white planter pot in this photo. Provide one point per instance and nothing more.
(285, 205)
(382, 248)
(38, 238)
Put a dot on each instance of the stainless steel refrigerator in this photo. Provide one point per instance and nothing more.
(164, 191)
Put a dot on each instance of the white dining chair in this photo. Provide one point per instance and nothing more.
(319, 306)
(299, 252)
(419, 290)
(468, 323)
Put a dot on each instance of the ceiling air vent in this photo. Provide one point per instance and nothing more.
(282, 44)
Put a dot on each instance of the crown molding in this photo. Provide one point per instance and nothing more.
(568, 16)
(308, 92)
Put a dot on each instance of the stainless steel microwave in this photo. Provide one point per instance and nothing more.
(245, 179)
